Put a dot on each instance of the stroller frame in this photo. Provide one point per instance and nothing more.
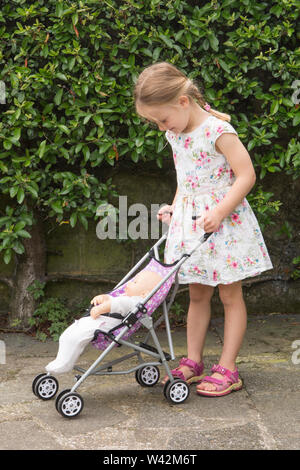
(69, 403)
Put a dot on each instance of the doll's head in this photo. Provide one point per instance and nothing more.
(142, 283)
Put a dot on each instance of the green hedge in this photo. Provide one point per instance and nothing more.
(69, 68)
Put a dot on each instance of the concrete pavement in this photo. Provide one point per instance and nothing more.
(119, 414)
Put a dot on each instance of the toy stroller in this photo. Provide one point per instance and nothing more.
(69, 403)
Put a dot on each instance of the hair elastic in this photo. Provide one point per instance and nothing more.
(207, 107)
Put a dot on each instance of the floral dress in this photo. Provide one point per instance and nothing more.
(237, 250)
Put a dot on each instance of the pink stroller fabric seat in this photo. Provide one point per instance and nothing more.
(102, 340)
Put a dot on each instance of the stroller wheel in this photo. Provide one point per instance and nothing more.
(69, 404)
(45, 386)
(59, 397)
(176, 392)
(35, 381)
(147, 376)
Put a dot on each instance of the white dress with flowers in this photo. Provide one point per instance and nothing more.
(237, 250)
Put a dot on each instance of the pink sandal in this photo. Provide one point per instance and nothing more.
(230, 383)
(196, 368)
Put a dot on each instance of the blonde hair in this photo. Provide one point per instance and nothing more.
(163, 83)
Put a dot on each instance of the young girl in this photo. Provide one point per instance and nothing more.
(214, 174)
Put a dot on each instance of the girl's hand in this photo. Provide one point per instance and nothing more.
(210, 221)
(99, 299)
(165, 213)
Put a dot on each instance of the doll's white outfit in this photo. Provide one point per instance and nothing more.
(76, 337)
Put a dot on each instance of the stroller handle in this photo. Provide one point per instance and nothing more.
(207, 235)
(194, 217)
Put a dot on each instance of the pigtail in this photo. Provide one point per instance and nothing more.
(194, 92)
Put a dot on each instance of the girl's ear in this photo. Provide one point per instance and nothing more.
(183, 101)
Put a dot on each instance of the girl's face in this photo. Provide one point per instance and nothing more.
(173, 117)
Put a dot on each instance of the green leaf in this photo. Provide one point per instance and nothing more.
(33, 191)
(224, 65)
(73, 219)
(20, 195)
(86, 192)
(166, 40)
(156, 53)
(104, 147)
(98, 120)
(78, 147)
(18, 248)
(135, 156)
(13, 191)
(63, 128)
(159, 162)
(75, 19)
(58, 96)
(7, 256)
(42, 148)
(105, 110)
(296, 119)
(57, 207)
(213, 41)
(251, 144)
(24, 234)
(87, 118)
(139, 141)
(146, 52)
(59, 9)
(64, 152)
(7, 144)
(17, 134)
(86, 152)
(61, 76)
(19, 225)
(274, 107)
(85, 88)
(188, 40)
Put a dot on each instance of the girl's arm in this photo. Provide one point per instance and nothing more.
(241, 165)
(165, 213)
(174, 200)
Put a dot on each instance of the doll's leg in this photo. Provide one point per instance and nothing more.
(72, 343)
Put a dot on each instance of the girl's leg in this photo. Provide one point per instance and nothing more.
(198, 318)
(231, 296)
